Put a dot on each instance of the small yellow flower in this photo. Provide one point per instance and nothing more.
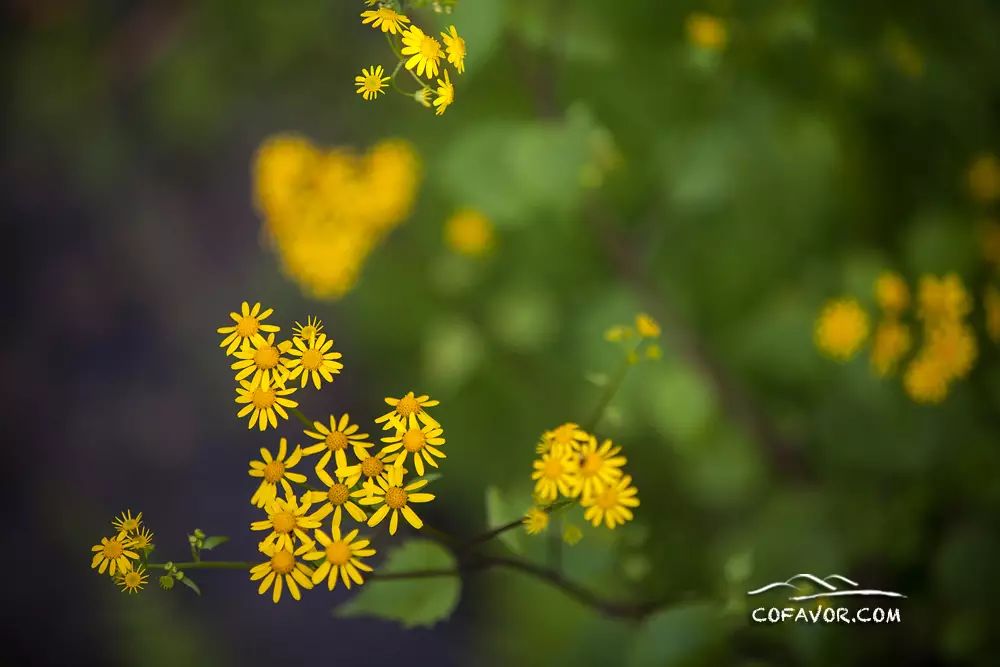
(600, 466)
(424, 52)
(283, 569)
(274, 471)
(423, 442)
(535, 520)
(984, 178)
(889, 344)
(953, 347)
(113, 554)
(841, 329)
(406, 411)
(612, 505)
(261, 359)
(926, 380)
(654, 351)
(423, 97)
(264, 403)
(287, 519)
(455, 46)
(142, 539)
(991, 306)
(371, 82)
(393, 496)
(555, 474)
(389, 20)
(249, 325)
(309, 330)
(706, 31)
(647, 326)
(445, 94)
(126, 523)
(369, 466)
(469, 232)
(942, 299)
(572, 534)
(337, 497)
(618, 333)
(314, 358)
(341, 556)
(132, 581)
(891, 292)
(566, 436)
(340, 435)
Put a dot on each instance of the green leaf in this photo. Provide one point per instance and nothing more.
(686, 634)
(190, 584)
(214, 541)
(500, 511)
(412, 602)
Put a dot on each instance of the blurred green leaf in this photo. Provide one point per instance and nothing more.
(213, 541)
(500, 512)
(682, 635)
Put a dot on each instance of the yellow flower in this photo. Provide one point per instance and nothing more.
(337, 497)
(388, 19)
(445, 94)
(142, 540)
(891, 292)
(406, 411)
(392, 495)
(249, 324)
(469, 232)
(424, 52)
(132, 581)
(314, 358)
(308, 331)
(113, 554)
(264, 403)
(567, 436)
(126, 523)
(262, 360)
(555, 474)
(991, 304)
(706, 31)
(612, 504)
(953, 347)
(371, 82)
(984, 178)
(535, 520)
(274, 471)
(647, 326)
(841, 329)
(942, 300)
(282, 567)
(421, 441)
(342, 556)
(600, 466)
(572, 534)
(288, 519)
(890, 343)
(618, 333)
(335, 440)
(925, 380)
(455, 46)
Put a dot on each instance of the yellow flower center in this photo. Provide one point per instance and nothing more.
(372, 84)
(553, 469)
(607, 499)
(335, 441)
(132, 579)
(266, 357)
(263, 399)
(283, 561)
(308, 332)
(430, 49)
(141, 541)
(283, 522)
(407, 406)
(312, 359)
(563, 435)
(592, 464)
(395, 497)
(338, 553)
(247, 326)
(414, 440)
(130, 525)
(338, 494)
(273, 471)
(113, 549)
(372, 466)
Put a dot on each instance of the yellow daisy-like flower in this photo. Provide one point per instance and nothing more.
(406, 411)
(706, 31)
(264, 403)
(890, 343)
(600, 466)
(287, 519)
(369, 466)
(991, 306)
(142, 540)
(341, 555)
(309, 330)
(371, 82)
(389, 20)
(445, 94)
(424, 52)
(283, 569)
(953, 347)
(572, 534)
(274, 471)
(568, 436)
(421, 441)
(337, 497)
(249, 324)
(926, 380)
(468, 232)
(891, 292)
(393, 496)
(335, 440)
(132, 581)
(126, 523)
(314, 358)
(647, 326)
(612, 505)
(455, 47)
(942, 299)
(113, 554)
(262, 360)
(984, 178)
(556, 473)
(841, 329)
(535, 521)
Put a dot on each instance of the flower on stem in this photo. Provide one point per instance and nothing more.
(535, 521)
(891, 292)
(421, 441)
(308, 331)
(889, 344)
(261, 360)
(389, 20)
(341, 555)
(132, 581)
(926, 380)
(390, 493)
(556, 473)
(647, 326)
(274, 471)
(337, 495)
(445, 94)
(942, 300)
(249, 324)
(335, 440)
(406, 411)
(283, 569)
(423, 96)
(264, 403)
(424, 52)
(841, 328)
(369, 466)
(612, 504)
(113, 554)
(314, 358)
(468, 232)
(600, 466)
(371, 82)
(142, 540)
(287, 519)
(566, 436)
(126, 523)
(455, 47)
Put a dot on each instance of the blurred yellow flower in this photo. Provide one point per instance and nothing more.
(132, 581)
(556, 474)
(249, 324)
(891, 292)
(371, 82)
(535, 521)
(568, 436)
(394, 497)
(613, 505)
(455, 47)
(647, 326)
(889, 344)
(275, 470)
(335, 440)
(925, 380)
(142, 539)
(308, 331)
(600, 466)
(263, 403)
(983, 178)
(341, 556)
(424, 52)
(952, 346)
(618, 333)
(706, 31)
(991, 305)
(283, 570)
(572, 534)
(423, 97)
(942, 300)
(423, 442)
(841, 328)
(445, 94)
(389, 20)
(469, 232)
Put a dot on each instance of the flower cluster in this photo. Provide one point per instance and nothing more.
(324, 211)
(638, 339)
(123, 554)
(419, 53)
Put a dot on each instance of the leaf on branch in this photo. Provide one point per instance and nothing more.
(411, 602)
(190, 584)
(214, 541)
(500, 511)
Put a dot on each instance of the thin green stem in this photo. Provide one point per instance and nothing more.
(611, 389)
(205, 565)
(301, 417)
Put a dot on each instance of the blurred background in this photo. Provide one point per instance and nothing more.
(725, 166)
